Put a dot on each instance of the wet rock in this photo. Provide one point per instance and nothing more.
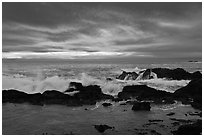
(195, 114)
(156, 120)
(175, 74)
(137, 106)
(107, 104)
(102, 128)
(127, 76)
(170, 114)
(109, 79)
(194, 91)
(143, 92)
(88, 95)
(189, 129)
(117, 99)
(147, 74)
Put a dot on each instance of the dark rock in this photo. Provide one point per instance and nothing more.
(73, 86)
(143, 92)
(196, 114)
(146, 74)
(181, 120)
(109, 79)
(127, 76)
(194, 91)
(170, 114)
(117, 99)
(141, 106)
(176, 74)
(107, 104)
(88, 95)
(102, 128)
(14, 96)
(156, 120)
(196, 75)
(189, 129)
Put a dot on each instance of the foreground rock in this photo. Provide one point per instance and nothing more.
(87, 95)
(190, 129)
(102, 128)
(137, 106)
(143, 92)
(191, 94)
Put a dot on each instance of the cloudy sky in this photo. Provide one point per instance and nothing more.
(159, 31)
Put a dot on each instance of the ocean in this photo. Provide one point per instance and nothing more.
(32, 76)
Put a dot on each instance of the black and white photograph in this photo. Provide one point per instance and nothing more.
(101, 68)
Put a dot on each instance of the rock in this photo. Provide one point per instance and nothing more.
(143, 92)
(170, 114)
(14, 96)
(87, 95)
(194, 91)
(92, 93)
(156, 120)
(55, 97)
(196, 75)
(147, 74)
(73, 86)
(141, 106)
(189, 129)
(109, 79)
(102, 128)
(117, 99)
(107, 104)
(127, 76)
(175, 74)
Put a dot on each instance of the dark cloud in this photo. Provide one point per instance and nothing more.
(122, 30)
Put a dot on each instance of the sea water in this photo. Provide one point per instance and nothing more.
(32, 76)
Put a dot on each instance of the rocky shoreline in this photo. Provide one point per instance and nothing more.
(142, 95)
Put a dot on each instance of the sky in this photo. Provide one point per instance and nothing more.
(102, 31)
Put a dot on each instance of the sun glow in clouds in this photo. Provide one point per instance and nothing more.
(64, 55)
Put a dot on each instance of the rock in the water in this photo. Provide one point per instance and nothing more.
(102, 128)
(88, 95)
(194, 91)
(190, 129)
(143, 92)
(170, 114)
(137, 106)
(147, 74)
(175, 74)
(107, 104)
(127, 76)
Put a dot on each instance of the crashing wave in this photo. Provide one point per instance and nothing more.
(113, 87)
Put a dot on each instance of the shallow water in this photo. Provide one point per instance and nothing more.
(54, 119)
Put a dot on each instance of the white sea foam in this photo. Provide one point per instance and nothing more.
(41, 84)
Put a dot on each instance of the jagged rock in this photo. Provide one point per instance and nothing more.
(102, 128)
(137, 106)
(127, 76)
(147, 74)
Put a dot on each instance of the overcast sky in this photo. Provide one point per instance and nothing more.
(157, 31)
